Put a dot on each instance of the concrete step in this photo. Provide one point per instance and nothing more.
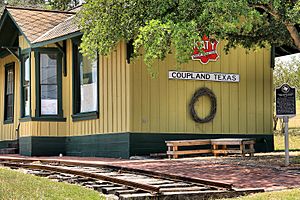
(9, 151)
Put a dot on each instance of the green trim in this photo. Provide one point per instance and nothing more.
(10, 50)
(20, 30)
(7, 67)
(38, 44)
(25, 119)
(124, 144)
(59, 39)
(8, 121)
(49, 119)
(8, 144)
(22, 102)
(3, 54)
(85, 116)
(272, 57)
(37, 52)
(63, 50)
(26, 51)
(43, 119)
(77, 116)
(3, 18)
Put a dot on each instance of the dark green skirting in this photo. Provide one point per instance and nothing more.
(122, 145)
(8, 144)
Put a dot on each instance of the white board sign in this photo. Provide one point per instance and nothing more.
(204, 76)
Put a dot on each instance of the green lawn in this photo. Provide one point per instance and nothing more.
(278, 195)
(295, 121)
(18, 186)
(294, 140)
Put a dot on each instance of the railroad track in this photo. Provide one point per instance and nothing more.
(127, 183)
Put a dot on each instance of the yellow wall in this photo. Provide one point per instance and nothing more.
(161, 105)
(130, 101)
(113, 98)
(7, 131)
(23, 44)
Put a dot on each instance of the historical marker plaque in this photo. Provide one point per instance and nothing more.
(285, 101)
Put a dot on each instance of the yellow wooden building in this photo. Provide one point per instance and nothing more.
(53, 100)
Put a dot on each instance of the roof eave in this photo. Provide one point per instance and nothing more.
(58, 39)
(7, 14)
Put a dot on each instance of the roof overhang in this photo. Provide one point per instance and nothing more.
(58, 39)
(9, 33)
(285, 50)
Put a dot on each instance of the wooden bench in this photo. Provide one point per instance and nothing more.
(228, 145)
(173, 147)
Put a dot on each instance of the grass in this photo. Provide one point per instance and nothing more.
(16, 185)
(294, 140)
(294, 143)
(278, 195)
(295, 121)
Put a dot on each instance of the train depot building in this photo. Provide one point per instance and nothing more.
(53, 100)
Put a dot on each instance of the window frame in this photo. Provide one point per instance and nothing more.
(25, 54)
(38, 115)
(77, 115)
(9, 66)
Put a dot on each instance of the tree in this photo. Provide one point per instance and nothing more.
(286, 72)
(24, 3)
(63, 4)
(159, 26)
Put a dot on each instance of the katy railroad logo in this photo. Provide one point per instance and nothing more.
(208, 50)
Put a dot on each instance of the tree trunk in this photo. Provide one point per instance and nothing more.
(275, 121)
(294, 34)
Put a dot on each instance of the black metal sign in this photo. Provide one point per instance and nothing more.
(285, 101)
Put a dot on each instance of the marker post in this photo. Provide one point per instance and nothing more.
(285, 109)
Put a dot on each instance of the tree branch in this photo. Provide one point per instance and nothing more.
(289, 26)
(294, 34)
(267, 8)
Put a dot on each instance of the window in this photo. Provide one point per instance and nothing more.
(25, 90)
(9, 93)
(49, 82)
(85, 85)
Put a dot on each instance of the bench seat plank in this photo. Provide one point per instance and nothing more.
(189, 152)
(188, 142)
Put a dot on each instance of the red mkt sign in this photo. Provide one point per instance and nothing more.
(209, 50)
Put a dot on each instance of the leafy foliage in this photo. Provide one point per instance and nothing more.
(50, 4)
(288, 72)
(24, 3)
(63, 4)
(159, 26)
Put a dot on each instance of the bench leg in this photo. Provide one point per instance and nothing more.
(175, 148)
(251, 149)
(224, 147)
(215, 147)
(169, 150)
(242, 148)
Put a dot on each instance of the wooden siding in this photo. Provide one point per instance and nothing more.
(161, 105)
(113, 100)
(7, 131)
(130, 101)
(113, 92)
(23, 44)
